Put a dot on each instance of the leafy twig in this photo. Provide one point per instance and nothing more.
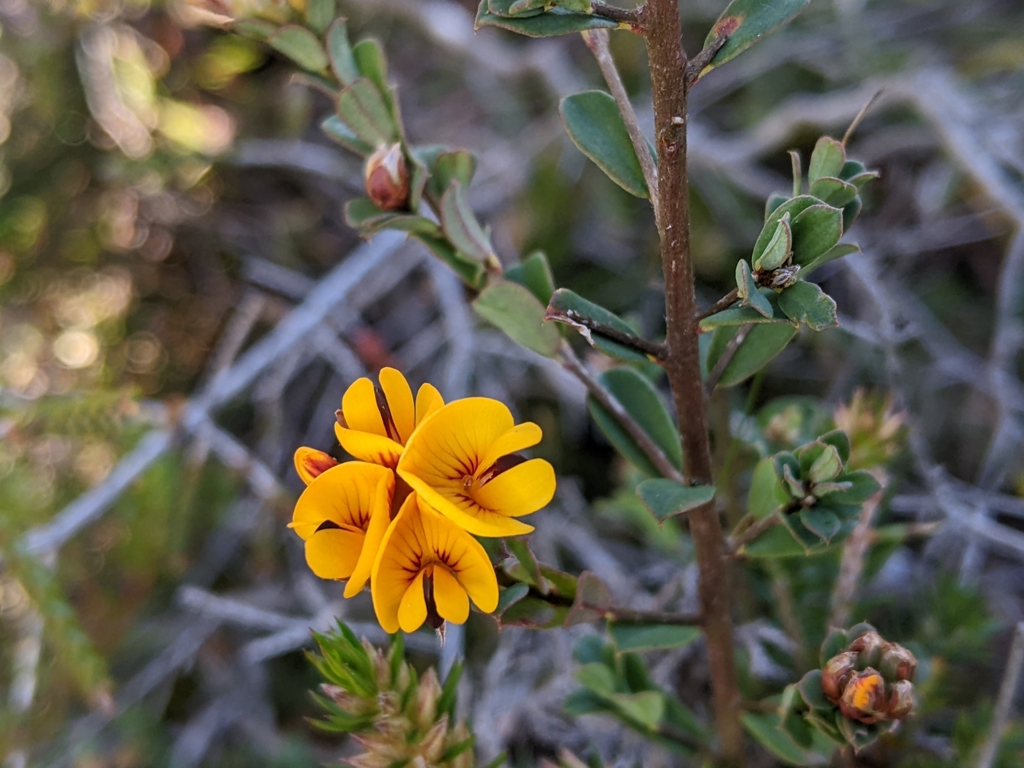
(597, 42)
(630, 16)
(604, 397)
(702, 59)
(569, 317)
(722, 304)
(737, 541)
(715, 375)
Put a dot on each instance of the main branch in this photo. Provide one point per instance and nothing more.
(669, 85)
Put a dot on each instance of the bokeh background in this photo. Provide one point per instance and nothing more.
(183, 305)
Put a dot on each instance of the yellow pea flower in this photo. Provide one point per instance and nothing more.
(462, 461)
(342, 516)
(428, 567)
(311, 463)
(375, 422)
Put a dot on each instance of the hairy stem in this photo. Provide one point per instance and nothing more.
(597, 42)
(669, 85)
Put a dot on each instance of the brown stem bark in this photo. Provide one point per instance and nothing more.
(661, 25)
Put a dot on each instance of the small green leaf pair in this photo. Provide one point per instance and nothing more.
(819, 501)
(616, 682)
(540, 18)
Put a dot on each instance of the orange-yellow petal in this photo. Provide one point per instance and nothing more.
(413, 610)
(380, 518)
(521, 490)
(428, 401)
(332, 553)
(399, 396)
(450, 444)
(359, 407)
(460, 508)
(344, 494)
(311, 463)
(521, 436)
(464, 556)
(367, 447)
(397, 564)
(450, 598)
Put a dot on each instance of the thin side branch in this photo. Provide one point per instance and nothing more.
(629, 16)
(722, 304)
(739, 540)
(716, 373)
(586, 324)
(597, 42)
(621, 615)
(1004, 707)
(604, 397)
(702, 59)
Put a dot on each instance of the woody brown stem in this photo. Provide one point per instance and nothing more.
(661, 25)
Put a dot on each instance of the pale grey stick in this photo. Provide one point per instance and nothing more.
(1004, 706)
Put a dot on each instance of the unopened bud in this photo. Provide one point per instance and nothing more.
(901, 699)
(897, 663)
(837, 673)
(427, 694)
(353, 705)
(868, 648)
(431, 746)
(386, 177)
(864, 698)
(311, 463)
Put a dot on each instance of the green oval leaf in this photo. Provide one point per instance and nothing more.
(639, 398)
(470, 271)
(766, 492)
(595, 125)
(557, 21)
(340, 53)
(362, 108)
(336, 129)
(765, 728)
(518, 313)
(806, 303)
(816, 230)
(827, 159)
(747, 290)
(746, 22)
(319, 14)
(534, 273)
(651, 637)
(667, 498)
(568, 307)
(460, 225)
(301, 46)
(763, 343)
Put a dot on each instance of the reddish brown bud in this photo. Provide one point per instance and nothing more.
(868, 648)
(864, 698)
(386, 177)
(901, 699)
(897, 663)
(837, 673)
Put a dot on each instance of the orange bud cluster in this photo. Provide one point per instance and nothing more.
(872, 680)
